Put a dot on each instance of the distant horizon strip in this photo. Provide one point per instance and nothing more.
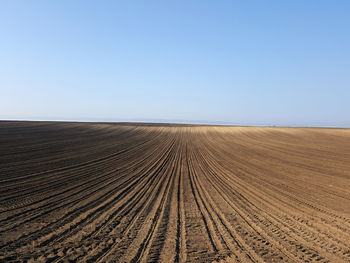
(171, 121)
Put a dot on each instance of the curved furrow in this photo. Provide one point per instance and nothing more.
(49, 158)
(67, 172)
(230, 233)
(68, 217)
(126, 192)
(250, 212)
(277, 190)
(213, 242)
(143, 232)
(93, 210)
(125, 170)
(127, 209)
(115, 218)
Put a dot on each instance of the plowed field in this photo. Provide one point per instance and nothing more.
(103, 192)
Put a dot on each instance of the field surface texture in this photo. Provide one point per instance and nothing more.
(103, 192)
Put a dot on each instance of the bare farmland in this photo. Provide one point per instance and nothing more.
(102, 192)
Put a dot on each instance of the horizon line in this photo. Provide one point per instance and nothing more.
(167, 121)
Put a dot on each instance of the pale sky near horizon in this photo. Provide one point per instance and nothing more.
(239, 62)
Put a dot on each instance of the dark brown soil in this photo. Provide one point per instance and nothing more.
(104, 192)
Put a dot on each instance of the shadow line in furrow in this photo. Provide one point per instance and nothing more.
(244, 215)
(241, 251)
(245, 247)
(62, 174)
(274, 185)
(205, 220)
(92, 205)
(137, 198)
(180, 235)
(152, 175)
(229, 205)
(108, 175)
(147, 241)
(221, 186)
(162, 230)
(64, 169)
(145, 209)
(123, 210)
(100, 210)
(243, 206)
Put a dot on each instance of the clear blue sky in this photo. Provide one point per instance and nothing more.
(241, 62)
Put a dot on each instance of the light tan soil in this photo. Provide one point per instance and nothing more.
(103, 192)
